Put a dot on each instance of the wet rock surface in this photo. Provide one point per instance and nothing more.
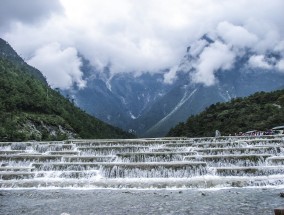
(103, 201)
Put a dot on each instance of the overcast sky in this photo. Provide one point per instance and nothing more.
(141, 35)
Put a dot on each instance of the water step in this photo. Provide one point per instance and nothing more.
(5, 144)
(78, 166)
(29, 153)
(216, 145)
(9, 152)
(162, 149)
(250, 171)
(110, 150)
(152, 156)
(34, 145)
(276, 160)
(129, 141)
(189, 144)
(144, 163)
(153, 170)
(242, 150)
(270, 142)
(52, 147)
(63, 152)
(153, 183)
(31, 158)
(15, 169)
(88, 158)
(67, 174)
(256, 141)
(16, 175)
(230, 160)
(113, 143)
(15, 145)
(169, 149)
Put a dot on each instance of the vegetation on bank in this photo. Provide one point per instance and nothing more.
(260, 111)
(30, 109)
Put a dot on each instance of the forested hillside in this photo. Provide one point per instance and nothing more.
(30, 109)
(260, 111)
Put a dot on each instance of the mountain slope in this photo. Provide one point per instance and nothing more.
(8, 53)
(260, 111)
(239, 82)
(149, 106)
(118, 99)
(30, 109)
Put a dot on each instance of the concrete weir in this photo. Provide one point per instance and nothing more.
(144, 163)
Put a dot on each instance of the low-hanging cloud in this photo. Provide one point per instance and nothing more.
(259, 61)
(214, 57)
(145, 36)
(235, 35)
(229, 41)
(280, 65)
(60, 66)
(170, 76)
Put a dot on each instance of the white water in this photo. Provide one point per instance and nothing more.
(144, 163)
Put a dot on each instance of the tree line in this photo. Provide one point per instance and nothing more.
(260, 111)
(26, 101)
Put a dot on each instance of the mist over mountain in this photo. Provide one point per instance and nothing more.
(151, 103)
(146, 66)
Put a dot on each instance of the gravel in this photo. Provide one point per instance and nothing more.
(121, 201)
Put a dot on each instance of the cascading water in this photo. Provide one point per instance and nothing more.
(144, 163)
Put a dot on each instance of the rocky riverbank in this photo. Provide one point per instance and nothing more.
(108, 201)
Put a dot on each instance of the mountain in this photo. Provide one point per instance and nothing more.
(191, 98)
(30, 109)
(117, 99)
(8, 53)
(260, 111)
(149, 107)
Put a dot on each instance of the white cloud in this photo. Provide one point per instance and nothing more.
(137, 36)
(197, 47)
(60, 66)
(280, 65)
(280, 47)
(259, 61)
(214, 57)
(237, 36)
(170, 76)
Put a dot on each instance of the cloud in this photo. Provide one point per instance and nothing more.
(264, 62)
(217, 56)
(170, 76)
(259, 61)
(60, 66)
(280, 65)
(142, 36)
(26, 11)
(237, 36)
(197, 47)
(280, 47)
(207, 59)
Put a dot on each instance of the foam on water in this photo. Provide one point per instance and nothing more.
(161, 163)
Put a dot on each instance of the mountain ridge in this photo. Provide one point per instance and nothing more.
(7, 52)
(149, 105)
(30, 109)
(260, 111)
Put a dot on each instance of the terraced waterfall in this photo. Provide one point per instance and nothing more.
(144, 163)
